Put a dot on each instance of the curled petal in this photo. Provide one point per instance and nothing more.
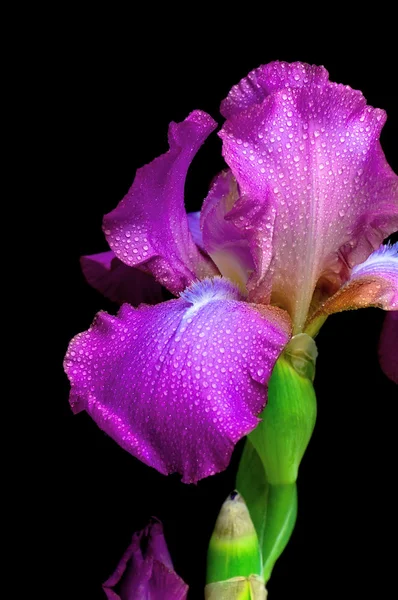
(118, 282)
(145, 570)
(233, 228)
(178, 384)
(310, 149)
(372, 283)
(149, 226)
(224, 242)
(388, 347)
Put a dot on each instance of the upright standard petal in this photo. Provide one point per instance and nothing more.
(118, 282)
(311, 149)
(372, 283)
(145, 571)
(266, 80)
(388, 347)
(149, 226)
(178, 384)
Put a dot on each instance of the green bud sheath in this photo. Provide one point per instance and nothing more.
(288, 419)
(234, 550)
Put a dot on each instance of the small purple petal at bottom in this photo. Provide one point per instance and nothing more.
(145, 571)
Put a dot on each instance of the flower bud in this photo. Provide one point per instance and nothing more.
(234, 551)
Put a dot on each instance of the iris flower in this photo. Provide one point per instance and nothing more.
(290, 232)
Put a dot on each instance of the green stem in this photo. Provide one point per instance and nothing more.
(252, 484)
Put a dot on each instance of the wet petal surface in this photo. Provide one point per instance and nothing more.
(149, 226)
(223, 241)
(310, 149)
(178, 384)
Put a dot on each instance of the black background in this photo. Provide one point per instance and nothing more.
(111, 93)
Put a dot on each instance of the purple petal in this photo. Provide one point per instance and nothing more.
(166, 585)
(145, 570)
(388, 348)
(233, 229)
(267, 79)
(372, 283)
(223, 242)
(310, 149)
(150, 226)
(194, 228)
(178, 384)
(118, 282)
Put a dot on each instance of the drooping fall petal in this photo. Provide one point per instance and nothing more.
(372, 283)
(178, 384)
(388, 347)
(149, 227)
(310, 148)
(145, 571)
(118, 282)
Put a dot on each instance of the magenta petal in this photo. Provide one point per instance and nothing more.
(267, 79)
(194, 228)
(310, 149)
(178, 384)
(145, 571)
(233, 235)
(388, 347)
(224, 243)
(118, 282)
(150, 226)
